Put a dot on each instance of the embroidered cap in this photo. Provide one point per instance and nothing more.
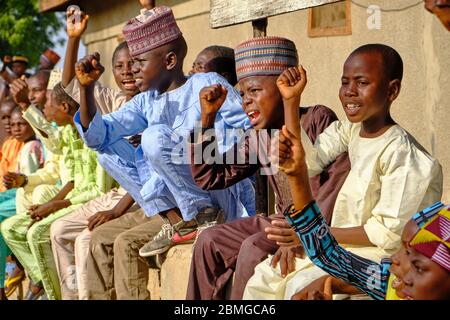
(265, 56)
(50, 56)
(151, 29)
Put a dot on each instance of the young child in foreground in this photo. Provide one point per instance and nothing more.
(419, 270)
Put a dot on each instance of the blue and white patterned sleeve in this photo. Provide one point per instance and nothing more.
(324, 251)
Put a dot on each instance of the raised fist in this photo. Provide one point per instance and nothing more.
(88, 70)
(147, 4)
(19, 91)
(7, 59)
(292, 82)
(76, 21)
(212, 98)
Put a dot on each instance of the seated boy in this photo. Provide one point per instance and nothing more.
(216, 255)
(167, 109)
(420, 270)
(28, 235)
(217, 59)
(28, 160)
(391, 174)
(45, 183)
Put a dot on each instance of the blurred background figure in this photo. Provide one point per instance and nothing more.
(440, 8)
(48, 60)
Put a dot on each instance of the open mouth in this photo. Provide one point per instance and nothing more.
(352, 108)
(129, 84)
(253, 116)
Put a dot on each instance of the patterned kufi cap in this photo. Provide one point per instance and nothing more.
(151, 29)
(433, 239)
(51, 56)
(264, 56)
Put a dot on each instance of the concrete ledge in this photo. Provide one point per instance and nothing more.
(175, 272)
(169, 276)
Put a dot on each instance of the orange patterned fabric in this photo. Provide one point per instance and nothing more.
(8, 157)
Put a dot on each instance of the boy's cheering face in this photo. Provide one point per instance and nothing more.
(122, 71)
(365, 91)
(261, 101)
(20, 128)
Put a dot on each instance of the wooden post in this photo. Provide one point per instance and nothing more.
(259, 27)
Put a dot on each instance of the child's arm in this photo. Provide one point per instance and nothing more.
(104, 216)
(76, 23)
(32, 159)
(329, 144)
(291, 84)
(100, 132)
(318, 242)
(88, 70)
(108, 99)
(324, 288)
(147, 4)
(19, 92)
(47, 133)
(208, 173)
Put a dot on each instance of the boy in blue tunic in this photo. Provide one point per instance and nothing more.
(166, 112)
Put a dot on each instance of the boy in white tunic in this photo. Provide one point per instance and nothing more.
(391, 174)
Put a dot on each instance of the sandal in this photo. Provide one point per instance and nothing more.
(11, 284)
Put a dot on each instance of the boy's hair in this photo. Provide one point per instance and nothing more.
(392, 61)
(122, 45)
(179, 46)
(220, 51)
(60, 96)
(16, 109)
(223, 61)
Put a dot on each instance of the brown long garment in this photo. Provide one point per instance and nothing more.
(240, 245)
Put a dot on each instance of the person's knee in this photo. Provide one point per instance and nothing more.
(34, 233)
(83, 240)
(57, 231)
(124, 242)
(206, 240)
(7, 227)
(97, 239)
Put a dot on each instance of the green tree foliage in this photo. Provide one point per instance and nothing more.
(26, 31)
